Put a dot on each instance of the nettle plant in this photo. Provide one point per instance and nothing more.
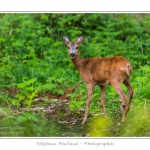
(27, 91)
(142, 83)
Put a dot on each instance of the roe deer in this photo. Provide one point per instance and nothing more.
(101, 71)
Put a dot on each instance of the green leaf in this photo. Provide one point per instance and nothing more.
(20, 96)
(21, 85)
(21, 119)
(31, 81)
(60, 91)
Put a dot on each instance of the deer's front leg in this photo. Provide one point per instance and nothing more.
(89, 97)
(103, 98)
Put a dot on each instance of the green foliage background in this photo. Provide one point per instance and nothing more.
(34, 59)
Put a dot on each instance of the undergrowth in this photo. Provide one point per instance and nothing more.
(34, 63)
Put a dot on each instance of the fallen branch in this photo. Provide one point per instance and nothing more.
(70, 90)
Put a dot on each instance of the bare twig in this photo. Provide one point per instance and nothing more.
(70, 90)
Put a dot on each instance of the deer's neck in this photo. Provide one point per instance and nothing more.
(77, 62)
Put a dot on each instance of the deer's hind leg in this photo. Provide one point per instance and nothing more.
(131, 91)
(118, 89)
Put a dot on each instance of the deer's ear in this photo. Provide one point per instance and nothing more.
(80, 39)
(65, 40)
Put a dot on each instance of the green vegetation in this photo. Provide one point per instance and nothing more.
(35, 69)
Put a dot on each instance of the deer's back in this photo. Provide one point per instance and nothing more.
(102, 70)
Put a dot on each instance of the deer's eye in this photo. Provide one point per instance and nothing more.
(68, 47)
(76, 47)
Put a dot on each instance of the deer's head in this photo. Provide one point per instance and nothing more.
(72, 46)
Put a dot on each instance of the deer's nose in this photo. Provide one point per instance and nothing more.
(72, 54)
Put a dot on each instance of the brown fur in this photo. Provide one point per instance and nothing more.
(102, 71)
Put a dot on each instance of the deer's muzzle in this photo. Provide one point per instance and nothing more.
(72, 55)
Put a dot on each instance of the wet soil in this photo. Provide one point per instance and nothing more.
(58, 112)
